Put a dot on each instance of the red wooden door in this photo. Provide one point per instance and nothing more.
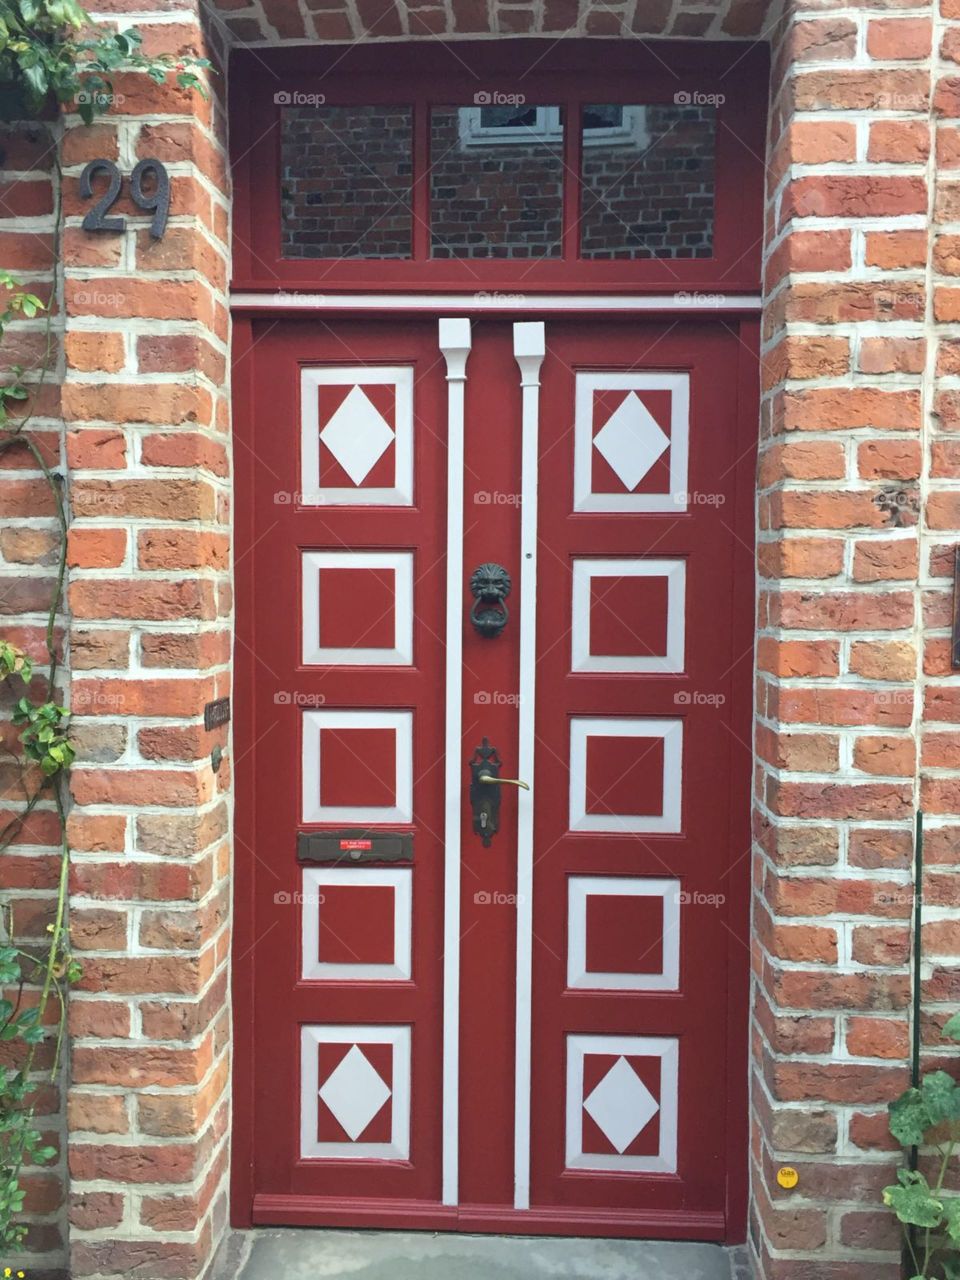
(545, 1032)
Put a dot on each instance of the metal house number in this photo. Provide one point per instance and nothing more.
(156, 200)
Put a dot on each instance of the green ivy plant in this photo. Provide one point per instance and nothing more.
(928, 1117)
(51, 50)
(44, 740)
(18, 303)
(53, 56)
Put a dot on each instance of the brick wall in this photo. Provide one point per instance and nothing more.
(859, 513)
(144, 434)
(855, 506)
(145, 402)
(29, 548)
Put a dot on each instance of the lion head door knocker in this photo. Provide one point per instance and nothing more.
(490, 584)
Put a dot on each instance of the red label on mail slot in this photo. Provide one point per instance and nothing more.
(356, 844)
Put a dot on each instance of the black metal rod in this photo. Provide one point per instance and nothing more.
(917, 959)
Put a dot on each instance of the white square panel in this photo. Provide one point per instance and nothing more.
(380, 785)
(631, 439)
(399, 564)
(635, 971)
(354, 432)
(605, 1085)
(666, 781)
(320, 886)
(368, 1085)
(585, 572)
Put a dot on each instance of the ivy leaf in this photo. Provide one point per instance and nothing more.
(951, 1027)
(912, 1201)
(36, 78)
(941, 1096)
(951, 1213)
(909, 1118)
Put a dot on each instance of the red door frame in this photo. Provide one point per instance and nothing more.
(745, 187)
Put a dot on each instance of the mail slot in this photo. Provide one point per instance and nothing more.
(354, 846)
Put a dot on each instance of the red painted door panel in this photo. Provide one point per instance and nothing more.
(642, 768)
(347, 608)
(636, 714)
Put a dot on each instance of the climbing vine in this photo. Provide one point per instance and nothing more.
(53, 55)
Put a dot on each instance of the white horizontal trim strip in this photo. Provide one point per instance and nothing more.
(681, 300)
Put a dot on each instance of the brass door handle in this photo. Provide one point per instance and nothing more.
(485, 799)
(514, 782)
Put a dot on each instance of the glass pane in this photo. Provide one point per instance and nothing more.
(648, 181)
(496, 182)
(346, 175)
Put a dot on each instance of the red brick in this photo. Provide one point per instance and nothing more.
(94, 352)
(895, 250)
(899, 39)
(899, 142)
(892, 355)
(96, 548)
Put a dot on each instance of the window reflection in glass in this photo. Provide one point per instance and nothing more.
(346, 174)
(648, 181)
(496, 181)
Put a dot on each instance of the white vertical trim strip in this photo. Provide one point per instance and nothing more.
(455, 340)
(529, 346)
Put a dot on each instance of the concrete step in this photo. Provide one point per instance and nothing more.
(268, 1254)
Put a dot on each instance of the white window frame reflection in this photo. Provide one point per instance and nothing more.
(548, 128)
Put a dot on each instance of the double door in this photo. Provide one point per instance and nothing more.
(474, 555)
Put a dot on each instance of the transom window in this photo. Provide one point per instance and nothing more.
(497, 179)
(519, 166)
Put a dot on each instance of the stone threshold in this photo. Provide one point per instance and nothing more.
(318, 1254)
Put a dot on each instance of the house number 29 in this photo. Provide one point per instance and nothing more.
(155, 200)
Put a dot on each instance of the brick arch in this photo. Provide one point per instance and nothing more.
(274, 22)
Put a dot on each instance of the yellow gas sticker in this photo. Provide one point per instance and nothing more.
(788, 1177)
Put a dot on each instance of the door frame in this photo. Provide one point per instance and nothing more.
(246, 310)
